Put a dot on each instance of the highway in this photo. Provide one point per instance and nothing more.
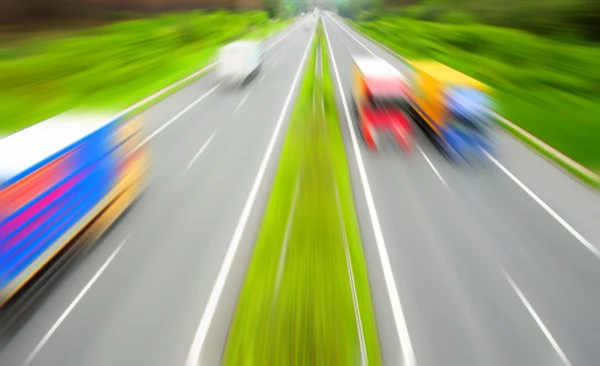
(468, 266)
(138, 298)
(490, 266)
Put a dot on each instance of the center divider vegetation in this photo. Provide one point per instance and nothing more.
(297, 306)
(116, 65)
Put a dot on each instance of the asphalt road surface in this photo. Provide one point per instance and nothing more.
(497, 265)
(139, 297)
(488, 266)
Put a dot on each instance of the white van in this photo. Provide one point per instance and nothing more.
(239, 61)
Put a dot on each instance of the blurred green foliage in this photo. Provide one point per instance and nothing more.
(549, 87)
(361, 9)
(112, 66)
(558, 18)
(273, 7)
(296, 7)
(456, 17)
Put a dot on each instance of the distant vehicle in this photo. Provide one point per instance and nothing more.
(63, 179)
(453, 109)
(379, 94)
(239, 62)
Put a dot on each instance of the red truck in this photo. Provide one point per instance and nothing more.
(380, 97)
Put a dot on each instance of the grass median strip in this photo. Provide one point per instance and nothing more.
(306, 298)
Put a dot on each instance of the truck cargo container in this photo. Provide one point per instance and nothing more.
(453, 109)
(57, 178)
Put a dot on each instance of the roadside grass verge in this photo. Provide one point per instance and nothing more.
(113, 66)
(297, 304)
(547, 87)
(586, 176)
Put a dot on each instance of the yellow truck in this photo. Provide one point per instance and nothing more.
(452, 108)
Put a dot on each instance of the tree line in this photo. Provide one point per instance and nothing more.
(35, 10)
(566, 18)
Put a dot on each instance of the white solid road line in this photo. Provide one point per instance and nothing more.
(401, 328)
(74, 303)
(537, 319)
(211, 306)
(548, 209)
(204, 146)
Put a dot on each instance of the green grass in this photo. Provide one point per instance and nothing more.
(548, 87)
(308, 318)
(113, 66)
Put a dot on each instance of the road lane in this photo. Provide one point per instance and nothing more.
(144, 308)
(451, 243)
(579, 205)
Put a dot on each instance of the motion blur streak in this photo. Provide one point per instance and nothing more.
(61, 176)
(491, 267)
